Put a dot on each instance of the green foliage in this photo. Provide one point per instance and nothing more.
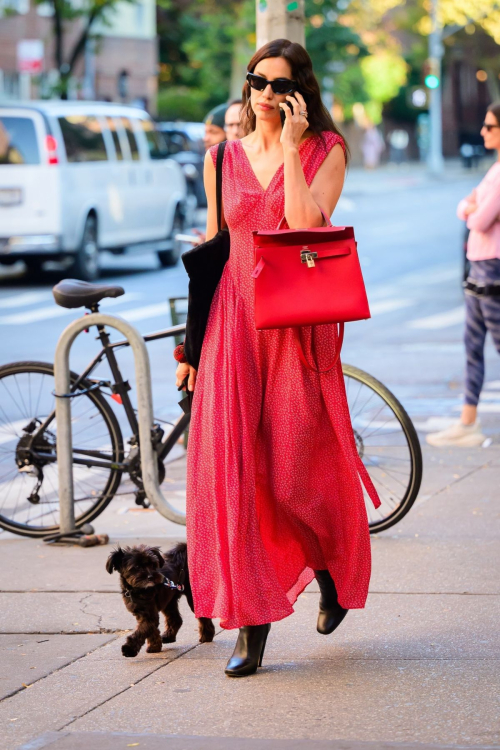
(182, 103)
(199, 43)
(384, 74)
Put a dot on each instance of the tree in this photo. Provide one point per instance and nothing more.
(66, 13)
(204, 48)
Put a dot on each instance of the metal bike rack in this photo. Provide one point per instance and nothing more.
(149, 462)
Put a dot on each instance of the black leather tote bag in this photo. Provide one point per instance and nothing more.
(204, 265)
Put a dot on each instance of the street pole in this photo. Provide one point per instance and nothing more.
(280, 19)
(435, 157)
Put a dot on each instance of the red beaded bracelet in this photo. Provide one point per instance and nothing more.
(179, 355)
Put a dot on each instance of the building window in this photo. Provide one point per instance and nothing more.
(14, 6)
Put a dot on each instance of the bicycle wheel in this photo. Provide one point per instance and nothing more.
(388, 445)
(29, 497)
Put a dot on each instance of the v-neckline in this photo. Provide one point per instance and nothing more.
(263, 189)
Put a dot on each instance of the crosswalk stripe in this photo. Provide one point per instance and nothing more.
(441, 320)
(388, 305)
(54, 311)
(22, 300)
(42, 313)
(149, 311)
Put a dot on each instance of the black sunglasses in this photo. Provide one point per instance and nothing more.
(489, 127)
(279, 85)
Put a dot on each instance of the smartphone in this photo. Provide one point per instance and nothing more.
(282, 112)
(186, 238)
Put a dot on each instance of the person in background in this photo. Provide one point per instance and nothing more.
(232, 124)
(372, 147)
(214, 126)
(232, 132)
(481, 210)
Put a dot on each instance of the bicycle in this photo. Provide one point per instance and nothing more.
(384, 434)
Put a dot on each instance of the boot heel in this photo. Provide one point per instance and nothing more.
(263, 648)
(249, 650)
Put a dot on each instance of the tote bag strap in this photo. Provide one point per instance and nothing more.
(303, 359)
(218, 182)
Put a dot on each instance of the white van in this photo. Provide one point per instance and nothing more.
(78, 177)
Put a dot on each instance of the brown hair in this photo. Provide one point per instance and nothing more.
(495, 110)
(302, 71)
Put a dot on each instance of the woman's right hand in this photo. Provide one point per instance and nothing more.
(183, 370)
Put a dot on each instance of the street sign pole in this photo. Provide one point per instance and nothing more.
(435, 157)
(280, 19)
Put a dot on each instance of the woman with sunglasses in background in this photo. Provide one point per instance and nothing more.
(481, 211)
(273, 493)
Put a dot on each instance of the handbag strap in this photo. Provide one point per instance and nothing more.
(329, 223)
(218, 182)
(302, 356)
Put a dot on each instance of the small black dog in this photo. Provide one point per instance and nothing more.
(153, 582)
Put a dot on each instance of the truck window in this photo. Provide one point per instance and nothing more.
(18, 141)
(134, 149)
(83, 138)
(113, 123)
(156, 142)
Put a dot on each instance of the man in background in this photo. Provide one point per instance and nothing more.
(214, 126)
(232, 120)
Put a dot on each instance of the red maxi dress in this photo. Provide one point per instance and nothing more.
(273, 486)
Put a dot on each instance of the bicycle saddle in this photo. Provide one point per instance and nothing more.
(73, 293)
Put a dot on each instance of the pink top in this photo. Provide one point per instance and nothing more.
(484, 223)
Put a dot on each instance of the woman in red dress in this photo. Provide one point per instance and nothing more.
(274, 496)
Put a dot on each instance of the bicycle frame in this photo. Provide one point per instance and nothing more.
(120, 388)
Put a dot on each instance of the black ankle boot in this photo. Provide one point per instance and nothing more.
(331, 613)
(249, 650)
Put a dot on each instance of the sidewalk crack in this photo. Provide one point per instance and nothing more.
(85, 611)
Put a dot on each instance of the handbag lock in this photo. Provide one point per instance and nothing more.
(307, 256)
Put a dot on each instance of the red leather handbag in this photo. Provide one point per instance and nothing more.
(307, 277)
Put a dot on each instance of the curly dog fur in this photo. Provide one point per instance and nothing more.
(143, 571)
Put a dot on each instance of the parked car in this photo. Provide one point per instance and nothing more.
(185, 145)
(80, 177)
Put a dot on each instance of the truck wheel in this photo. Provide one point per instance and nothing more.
(171, 257)
(86, 263)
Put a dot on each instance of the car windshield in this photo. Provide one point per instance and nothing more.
(18, 141)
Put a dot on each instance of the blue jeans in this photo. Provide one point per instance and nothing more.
(482, 314)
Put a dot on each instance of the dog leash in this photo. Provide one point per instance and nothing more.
(172, 585)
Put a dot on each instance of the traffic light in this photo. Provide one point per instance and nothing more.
(432, 73)
(431, 81)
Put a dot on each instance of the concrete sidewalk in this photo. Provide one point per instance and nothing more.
(419, 667)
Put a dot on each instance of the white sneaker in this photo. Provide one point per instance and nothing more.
(459, 435)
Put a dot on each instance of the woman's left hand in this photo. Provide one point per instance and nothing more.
(295, 124)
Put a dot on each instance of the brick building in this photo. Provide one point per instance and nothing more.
(119, 65)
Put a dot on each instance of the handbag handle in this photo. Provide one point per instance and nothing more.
(218, 182)
(303, 356)
(329, 223)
